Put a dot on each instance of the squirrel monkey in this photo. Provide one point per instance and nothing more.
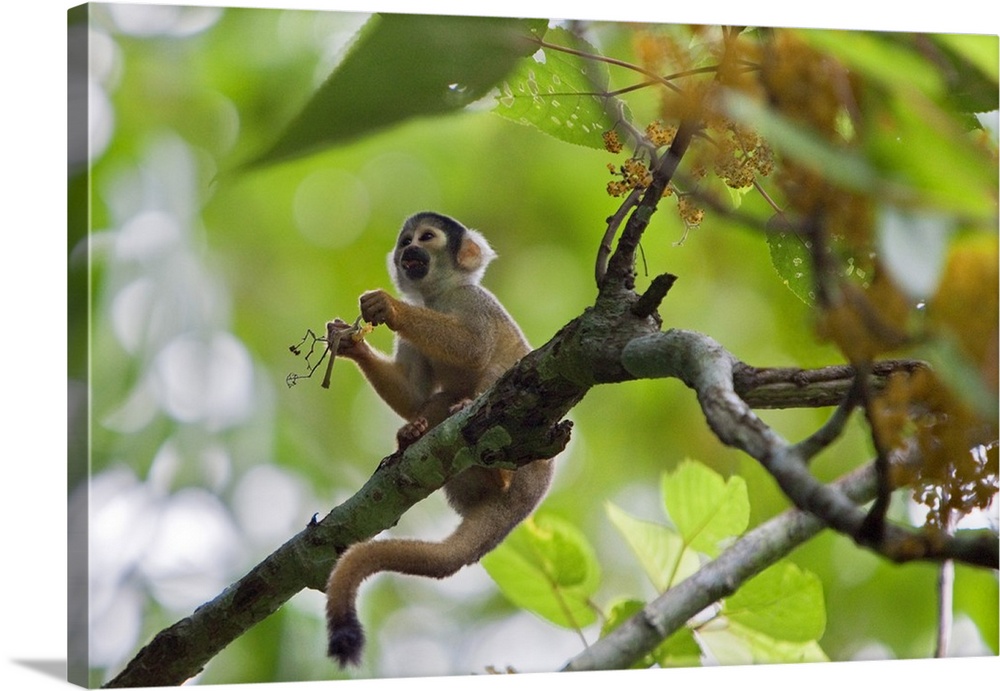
(453, 340)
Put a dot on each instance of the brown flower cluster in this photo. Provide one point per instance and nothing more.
(632, 174)
(740, 155)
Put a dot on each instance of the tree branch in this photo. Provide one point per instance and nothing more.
(471, 436)
(790, 387)
(707, 367)
(518, 420)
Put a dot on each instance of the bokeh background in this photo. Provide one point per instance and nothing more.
(202, 461)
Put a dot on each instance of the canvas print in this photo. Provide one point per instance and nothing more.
(411, 345)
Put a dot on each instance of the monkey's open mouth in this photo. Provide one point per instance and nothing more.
(415, 263)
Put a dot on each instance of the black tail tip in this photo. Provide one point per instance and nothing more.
(347, 640)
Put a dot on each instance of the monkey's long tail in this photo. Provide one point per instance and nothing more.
(471, 540)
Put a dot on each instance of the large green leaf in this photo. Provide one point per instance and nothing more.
(547, 566)
(559, 92)
(403, 66)
(662, 552)
(734, 644)
(972, 66)
(980, 50)
(960, 178)
(705, 507)
(782, 602)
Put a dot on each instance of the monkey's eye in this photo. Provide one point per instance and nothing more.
(403, 242)
(427, 236)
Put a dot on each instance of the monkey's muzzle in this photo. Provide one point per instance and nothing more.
(415, 262)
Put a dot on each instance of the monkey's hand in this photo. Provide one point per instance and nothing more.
(348, 337)
(378, 307)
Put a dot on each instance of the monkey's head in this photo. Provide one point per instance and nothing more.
(434, 253)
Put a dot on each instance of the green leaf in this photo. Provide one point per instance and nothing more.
(960, 177)
(972, 62)
(547, 567)
(979, 50)
(619, 612)
(555, 92)
(729, 643)
(782, 602)
(681, 649)
(705, 507)
(791, 258)
(403, 66)
(662, 552)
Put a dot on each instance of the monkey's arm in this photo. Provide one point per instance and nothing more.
(403, 381)
(462, 336)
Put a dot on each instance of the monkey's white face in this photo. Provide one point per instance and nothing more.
(417, 249)
(429, 260)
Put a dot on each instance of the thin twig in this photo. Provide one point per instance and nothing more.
(829, 432)
(873, 527)
(946, 597)
(614, 223)
(610, 61)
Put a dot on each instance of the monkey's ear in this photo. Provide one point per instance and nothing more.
(474, 253)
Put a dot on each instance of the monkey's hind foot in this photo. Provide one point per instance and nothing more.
(347, 640)
(411, 432)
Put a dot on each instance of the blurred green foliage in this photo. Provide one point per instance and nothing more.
(202, 276)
